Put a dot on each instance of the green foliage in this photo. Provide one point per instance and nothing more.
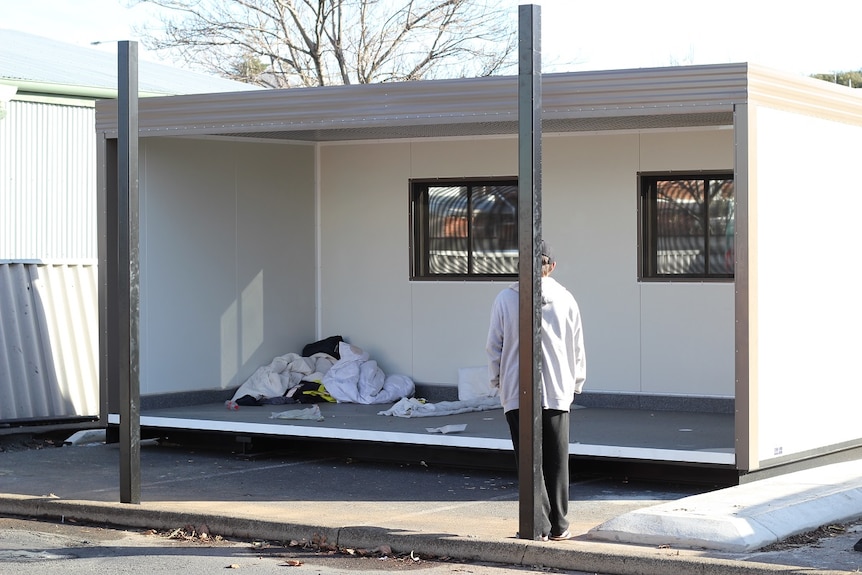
(852, 79)
(248, 68)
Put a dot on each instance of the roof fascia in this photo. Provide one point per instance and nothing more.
(35, 89)
(804, 95)
(649, 91)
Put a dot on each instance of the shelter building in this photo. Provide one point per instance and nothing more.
(701, 215)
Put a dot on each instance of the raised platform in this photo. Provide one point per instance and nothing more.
(682, 437)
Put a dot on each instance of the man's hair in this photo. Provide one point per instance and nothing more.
(547, 254)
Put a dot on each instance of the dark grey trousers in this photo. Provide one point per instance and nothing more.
(555, 466)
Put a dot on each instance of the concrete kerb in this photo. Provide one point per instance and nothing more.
(569, 555)
(746, 517)
(156, 517)
(435, 544)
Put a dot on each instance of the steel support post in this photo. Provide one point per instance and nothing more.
(529, 274)
(128, 284)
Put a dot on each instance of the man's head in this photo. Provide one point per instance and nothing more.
(548, 261)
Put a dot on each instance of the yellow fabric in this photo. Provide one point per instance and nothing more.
(320, 392)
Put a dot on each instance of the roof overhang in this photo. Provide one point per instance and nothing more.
(639, 99)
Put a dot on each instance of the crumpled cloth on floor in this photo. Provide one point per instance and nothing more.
(458, 428)
(312, 413)
(283, 373)
(357, 379)
(412, 407)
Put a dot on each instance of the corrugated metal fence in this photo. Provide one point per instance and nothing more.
(49, 342)
(48, 270)
(48, 183)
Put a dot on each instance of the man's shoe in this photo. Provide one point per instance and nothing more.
(542, 537)
(562, 536)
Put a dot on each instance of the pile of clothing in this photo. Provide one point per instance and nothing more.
(328, 370)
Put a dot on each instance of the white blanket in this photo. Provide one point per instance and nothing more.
(283, 373)
(357, 379)
(411, 407)
(354, 378)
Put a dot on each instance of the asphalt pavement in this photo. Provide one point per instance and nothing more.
(619, 528)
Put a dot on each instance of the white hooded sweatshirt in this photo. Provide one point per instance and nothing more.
(564, 366)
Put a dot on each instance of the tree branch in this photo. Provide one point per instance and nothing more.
(283, 43)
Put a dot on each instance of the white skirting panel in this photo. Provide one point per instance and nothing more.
(419, 437)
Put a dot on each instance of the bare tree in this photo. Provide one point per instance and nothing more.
(286, 43)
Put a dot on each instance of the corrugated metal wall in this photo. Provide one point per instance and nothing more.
(48, 341)
(48, 183)
(48, 263)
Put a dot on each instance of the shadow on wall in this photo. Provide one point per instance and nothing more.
(48, 342)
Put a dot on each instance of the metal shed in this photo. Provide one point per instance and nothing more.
(49, 370)
(270, 219)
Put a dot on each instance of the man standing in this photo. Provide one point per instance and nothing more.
(564, 370)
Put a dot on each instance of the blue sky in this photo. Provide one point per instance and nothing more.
(576, 35)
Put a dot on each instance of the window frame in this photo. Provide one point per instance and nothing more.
(647, 224)
(419, 227)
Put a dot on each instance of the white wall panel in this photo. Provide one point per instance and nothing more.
(422, 329)
(464, 158)
(687, 339)
(687, 150)
(429, 329)
(589, 201)
(687, 328)
(808, 306)
(451, 318)
(364, 289)
(454, 319)
(227, 260)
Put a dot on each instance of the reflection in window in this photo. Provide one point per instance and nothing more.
(687, 226)
(464, 228)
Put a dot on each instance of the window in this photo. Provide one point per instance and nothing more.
(687, 224)
(464, 228)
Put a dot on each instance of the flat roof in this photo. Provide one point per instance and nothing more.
(647, 98)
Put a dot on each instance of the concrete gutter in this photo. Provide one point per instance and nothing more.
(570, 555)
